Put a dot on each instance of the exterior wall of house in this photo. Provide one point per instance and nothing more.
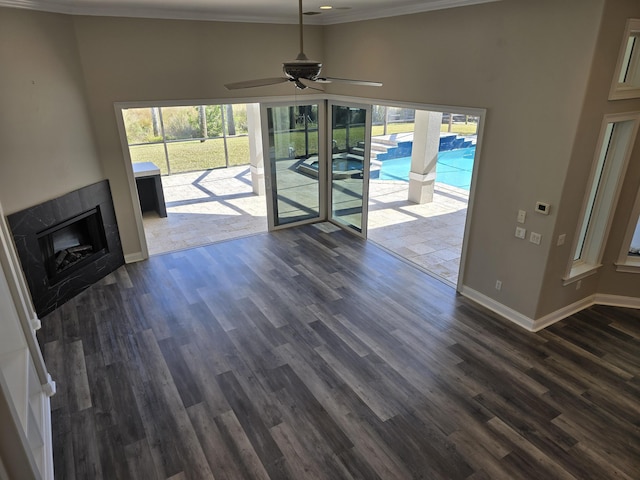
(528, 64)
(127, 59)
(46, 140)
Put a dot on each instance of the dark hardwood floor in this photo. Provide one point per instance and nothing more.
(305, 354)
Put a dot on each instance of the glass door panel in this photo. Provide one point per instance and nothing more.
(350, 140)
(294, 168)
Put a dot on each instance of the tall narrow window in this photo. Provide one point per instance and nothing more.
(591, 200)
(634, 246)
(626, 83)
(614, 148)
(629, 257)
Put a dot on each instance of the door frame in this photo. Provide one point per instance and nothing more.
(366, 163)
(143, 254)
(481, 113)
(322, 159)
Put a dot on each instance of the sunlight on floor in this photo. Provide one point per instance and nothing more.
(216, 205)
(430, 235)
(205, 207)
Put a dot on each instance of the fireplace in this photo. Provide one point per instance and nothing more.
(67, 244)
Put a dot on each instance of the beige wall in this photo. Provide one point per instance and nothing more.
(596, 105)
(46, 140)
(159, 60)
(527, 63)
(532, 65)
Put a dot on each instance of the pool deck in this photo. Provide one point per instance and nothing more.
(217, 205)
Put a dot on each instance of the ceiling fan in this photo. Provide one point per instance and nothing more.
(298, 70)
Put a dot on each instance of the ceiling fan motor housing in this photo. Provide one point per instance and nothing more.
(309, 70)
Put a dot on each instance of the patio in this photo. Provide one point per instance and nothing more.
(216, 205)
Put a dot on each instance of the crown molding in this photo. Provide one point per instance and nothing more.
(54, 6)
(329, 18)
(427, 6)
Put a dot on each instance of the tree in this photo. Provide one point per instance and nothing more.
(202, 111)
(231, 125)
(155, 121)
(214, 120)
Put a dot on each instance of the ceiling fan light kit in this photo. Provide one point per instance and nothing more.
(299, 69)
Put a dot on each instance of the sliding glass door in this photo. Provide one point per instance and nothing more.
(349, 145)
(294, 166)
(315, 169)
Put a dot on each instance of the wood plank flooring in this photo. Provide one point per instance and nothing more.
(310, 354)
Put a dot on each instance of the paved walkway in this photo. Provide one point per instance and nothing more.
(216, 205)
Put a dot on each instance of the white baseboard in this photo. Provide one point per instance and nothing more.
(553, 317)
(134, 257)
(617, 301)
(564, 312)
(502, 310)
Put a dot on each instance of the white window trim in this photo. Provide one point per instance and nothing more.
(630, 263)
(623, 90)
(607, 196)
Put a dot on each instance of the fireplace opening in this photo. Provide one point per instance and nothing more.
(69, 245)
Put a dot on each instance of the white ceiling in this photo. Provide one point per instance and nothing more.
(263, 11)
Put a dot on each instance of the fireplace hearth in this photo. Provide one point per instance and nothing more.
(67, 244)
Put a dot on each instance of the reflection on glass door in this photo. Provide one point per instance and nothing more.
(350, 144)
(293, 167)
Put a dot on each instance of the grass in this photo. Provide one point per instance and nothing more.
(392, 128)
(459, 128)
(297, 141)
(194, 155)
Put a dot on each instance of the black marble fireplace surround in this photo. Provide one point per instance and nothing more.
(67, 244)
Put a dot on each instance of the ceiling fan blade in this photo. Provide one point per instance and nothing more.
(365, 83)
(261, 82)
(306, 82)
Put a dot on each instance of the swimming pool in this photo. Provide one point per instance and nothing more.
(454, 168)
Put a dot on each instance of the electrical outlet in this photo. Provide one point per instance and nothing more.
(498, 285)
(522, 215)
(561, 239)
(535, 238)
(521, 232)
(578, 284)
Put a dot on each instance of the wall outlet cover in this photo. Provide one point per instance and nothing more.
(535, 238)
(561, 239)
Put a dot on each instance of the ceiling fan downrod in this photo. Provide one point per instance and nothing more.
(300, 69)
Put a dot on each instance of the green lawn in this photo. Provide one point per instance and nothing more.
(392, 128)
(194, 155)
(459, 128)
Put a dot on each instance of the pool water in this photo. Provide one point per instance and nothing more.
(454, 167)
